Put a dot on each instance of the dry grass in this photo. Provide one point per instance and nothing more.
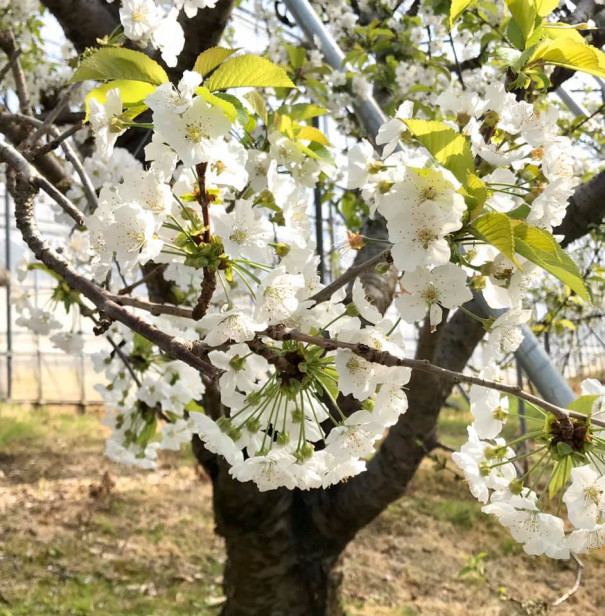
(81, 536)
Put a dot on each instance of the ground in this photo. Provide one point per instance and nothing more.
(82, 536)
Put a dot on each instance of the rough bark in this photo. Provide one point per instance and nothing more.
(586, 209)
(279, 562)
(84, 21)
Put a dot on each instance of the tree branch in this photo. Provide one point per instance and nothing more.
(349, 276)
(384, 358)
(9, 46)
(23, 187)
(586, 208)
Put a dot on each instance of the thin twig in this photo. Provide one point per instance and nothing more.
(353, 272)
(9, 65)
(148, 276)
(280, 332)
(9, 46)
(72, 157)
(155, 309)
(124, 359)
(50, 118)
(54, 143)
(458, 69)
(576, 585)
(66, 205)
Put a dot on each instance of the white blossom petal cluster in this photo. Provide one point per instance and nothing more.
(303, 401)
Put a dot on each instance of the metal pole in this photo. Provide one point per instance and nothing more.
(570, 103)
(367, 109)
(532, 357)
(9, 319)
(38, 349)
(319, 223)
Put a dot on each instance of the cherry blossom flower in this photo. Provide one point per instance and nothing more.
(444, 286)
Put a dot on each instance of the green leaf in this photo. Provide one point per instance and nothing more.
(450, 148)
(328, 383)
(310, 133)
(248, 71)
(208, 60)
(111, 63)
(458, 6)
(546, 7)
(193, 406)
(228, 108)
(583, 404)
(514, 35)
(476, 192)
(304, 111)
(148, 431)
(496, 229)
(561, 474)
(242, 112)
(296, 55)
(257, 102)
(570, 53)
(524, 14)
(131, 92)
(318, 152)
(541, 248)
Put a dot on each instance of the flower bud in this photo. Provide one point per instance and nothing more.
(283, 438)
(516, 486)
(356, 240)
(253, 425)
(281, 249)
(351, 310)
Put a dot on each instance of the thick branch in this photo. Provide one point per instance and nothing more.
(385, 358)
(23, 188)
(586, 209)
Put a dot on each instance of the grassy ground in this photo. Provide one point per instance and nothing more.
(81, 536)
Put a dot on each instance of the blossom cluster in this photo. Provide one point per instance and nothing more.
(225, 197)
(147, 22)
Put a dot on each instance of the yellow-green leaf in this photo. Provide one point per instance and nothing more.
(457, 8)
(310, 133)
(583, 404)
(540, 247)
(561, 472)
(561, 30)
(305, 111)
(113, 63)
(228, 108)
(496, 229)
(248, 71)
(546, 7)
(476, 192)
(208, 60)
(132, 92)
(524, 15)
(450, 148)
(570, 53)
(257, 102)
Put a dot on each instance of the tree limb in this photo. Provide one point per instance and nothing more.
(23, 187)
(586, 208)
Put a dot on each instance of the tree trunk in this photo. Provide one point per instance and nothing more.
(269, 572)
(279, 560)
